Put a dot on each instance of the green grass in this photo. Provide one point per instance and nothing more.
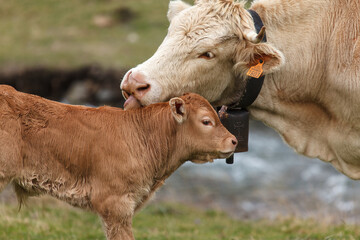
(63, 33)
(52, 220)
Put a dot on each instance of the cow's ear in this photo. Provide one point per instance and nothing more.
(175, 7)
(178, 110)
(250, 55)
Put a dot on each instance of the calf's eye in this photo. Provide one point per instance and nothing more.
(206, 122)
(207, 55)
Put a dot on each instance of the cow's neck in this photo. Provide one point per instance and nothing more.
(301, 76)
(301, 101)
(300, 79)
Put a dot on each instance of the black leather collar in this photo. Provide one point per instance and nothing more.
(253, 85)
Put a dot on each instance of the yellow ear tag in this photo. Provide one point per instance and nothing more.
(256, 71)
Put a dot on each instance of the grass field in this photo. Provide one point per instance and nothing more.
(51, 220)
(66, 33)
(113, 33)
(71, 33)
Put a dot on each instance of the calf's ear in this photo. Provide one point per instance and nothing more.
(178, 110)
(252, 54)
(175, 7)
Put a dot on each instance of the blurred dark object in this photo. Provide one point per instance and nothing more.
(125, 14)
(230, 160)
(83, 85)
(236, 120)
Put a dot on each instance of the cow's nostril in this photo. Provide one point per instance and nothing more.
(234, 142)
(126, 94)
(143, 88)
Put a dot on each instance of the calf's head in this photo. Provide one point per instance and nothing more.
(202, 133)
(208, 49)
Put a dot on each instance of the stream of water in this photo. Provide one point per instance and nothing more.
(270, 180)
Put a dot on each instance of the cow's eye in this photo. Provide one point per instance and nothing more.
(206, 122)
(207, 55)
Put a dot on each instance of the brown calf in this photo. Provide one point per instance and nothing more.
(103, 159)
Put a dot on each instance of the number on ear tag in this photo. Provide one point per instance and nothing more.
(256, 71)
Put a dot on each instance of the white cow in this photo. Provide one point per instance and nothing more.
(311, 99)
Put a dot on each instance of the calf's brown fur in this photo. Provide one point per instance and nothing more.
(103, 159)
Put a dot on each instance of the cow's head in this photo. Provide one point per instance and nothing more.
(208, 50)
(200, 128)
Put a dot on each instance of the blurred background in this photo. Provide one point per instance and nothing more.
(77, 52)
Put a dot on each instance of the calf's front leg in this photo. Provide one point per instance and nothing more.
(117, 229)
(116, 213)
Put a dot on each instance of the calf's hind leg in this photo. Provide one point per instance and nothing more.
(3, 182)
(10, 159)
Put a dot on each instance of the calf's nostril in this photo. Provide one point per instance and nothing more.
(234, 142)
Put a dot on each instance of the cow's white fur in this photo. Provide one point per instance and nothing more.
(312, 100)
(185, 42)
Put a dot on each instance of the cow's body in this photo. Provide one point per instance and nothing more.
(312, 67)
(103, 159)
(313, 101)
